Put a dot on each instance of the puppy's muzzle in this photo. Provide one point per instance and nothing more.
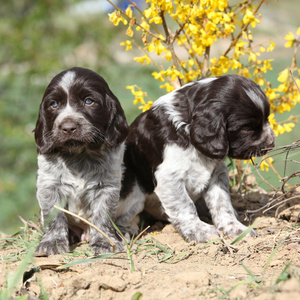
(68, 126)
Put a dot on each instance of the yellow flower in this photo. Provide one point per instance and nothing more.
(280, 129)
(116, 17)
(288, 126)
(150, 47)
(262, 49)
(210, 26)
(265, 164)
(266, 65)
(229, 28)
(282, 88)
(260, 81)
(290, 40)
(235, 64)
(167, 86)
(127, 44)
(144, 24)
(191, 62)
(157, 20)
(146, 106)
(283, 75)
(191, 75)
(168, 55)
(271, 47)
(149, 12)
(252, 56)
(129, 31)
(131, 88)
(159, 48)
(271, 119)
(128, 11)
(158, 76)
(250, 18)
(246, 73)
(193, 29)
(271, 94)
(143, 59)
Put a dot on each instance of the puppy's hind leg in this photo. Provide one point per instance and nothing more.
(128, 209)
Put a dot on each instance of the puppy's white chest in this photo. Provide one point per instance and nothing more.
(197, 178)
(74, 187)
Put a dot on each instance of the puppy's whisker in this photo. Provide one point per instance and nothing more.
(267, 149)
(48, 135)
(98, 134)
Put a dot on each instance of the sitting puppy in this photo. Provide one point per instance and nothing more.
(80, 134)
(175, 153)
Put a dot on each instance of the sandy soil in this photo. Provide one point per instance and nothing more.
(167, 267)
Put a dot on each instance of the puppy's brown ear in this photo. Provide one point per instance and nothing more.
(43, 142)
(117, 129)
(208, 131)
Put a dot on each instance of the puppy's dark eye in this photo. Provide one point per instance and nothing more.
(246, 128)
(88, 102)
(54, 104)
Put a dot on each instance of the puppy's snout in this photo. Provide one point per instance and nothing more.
(68, 126)
(271, 139)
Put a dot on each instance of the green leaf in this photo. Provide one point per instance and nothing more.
(137, 296)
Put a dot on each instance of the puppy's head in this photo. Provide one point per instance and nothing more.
(231, 119)
(79, 111)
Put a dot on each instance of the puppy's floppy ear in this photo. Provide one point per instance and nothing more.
(208, 131)
(117, 129)
(43, 143)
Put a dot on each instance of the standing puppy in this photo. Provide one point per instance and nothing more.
(80, 134)
(175, 153)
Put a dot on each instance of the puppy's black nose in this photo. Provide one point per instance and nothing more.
(68, 126)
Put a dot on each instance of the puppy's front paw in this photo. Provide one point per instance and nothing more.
(102, 245)
(201, 233)
(55, 245)
(235, 228)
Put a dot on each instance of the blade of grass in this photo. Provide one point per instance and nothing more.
(17, 275)
(243, 282)
(177, 257)
(90, 224)
(88, 260)
(253, 277)
(284, 276)
(273, 253)
(208, 243)
(243, 234)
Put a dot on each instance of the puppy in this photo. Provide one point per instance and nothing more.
(175, 154)
(79, 134)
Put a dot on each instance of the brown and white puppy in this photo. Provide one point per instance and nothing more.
(80, 134)
(175, 153)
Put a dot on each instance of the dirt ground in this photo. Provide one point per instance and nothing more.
(167, 267)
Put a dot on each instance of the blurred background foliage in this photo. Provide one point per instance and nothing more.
(40, 38)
